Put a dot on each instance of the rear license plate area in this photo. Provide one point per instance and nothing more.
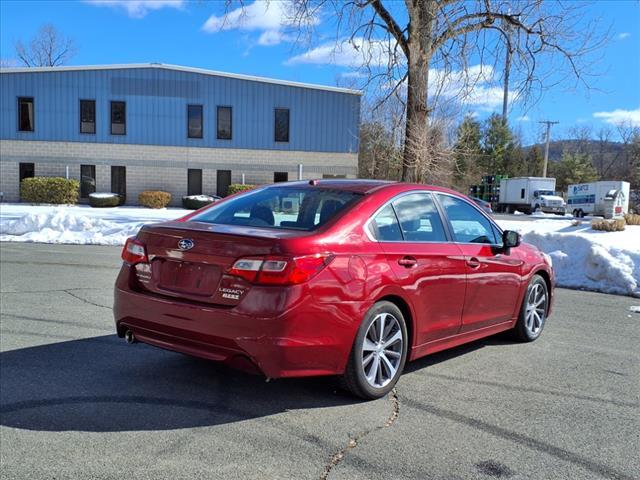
(184, 277)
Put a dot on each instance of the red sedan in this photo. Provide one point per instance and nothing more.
(330, 277)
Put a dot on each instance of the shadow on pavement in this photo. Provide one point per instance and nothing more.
(101, 384)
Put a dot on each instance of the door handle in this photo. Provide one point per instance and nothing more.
(473, 262)
(408, 262)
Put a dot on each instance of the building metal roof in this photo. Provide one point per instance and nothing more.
(164, 66)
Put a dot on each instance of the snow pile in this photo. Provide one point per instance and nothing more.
(607, 262)
(77, 224)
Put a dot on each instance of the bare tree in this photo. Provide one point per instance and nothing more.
(421, 50)
(48, 48)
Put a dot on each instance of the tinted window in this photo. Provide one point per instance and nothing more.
(384, 226)
(282, 125)
(87, 180)
(194, 181)
(118, 118)
(280, 207)
(25, 114)
(87, 116)
(224, 123)
(467, 223)
(194, 121)
(419, 218)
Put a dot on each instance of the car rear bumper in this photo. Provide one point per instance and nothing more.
(307, 339)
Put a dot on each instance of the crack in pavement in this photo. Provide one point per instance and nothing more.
(68, 292)
(353, 441)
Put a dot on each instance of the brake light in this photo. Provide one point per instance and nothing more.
(279, 270)
(134, 252)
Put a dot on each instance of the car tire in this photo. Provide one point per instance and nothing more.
(537, 209)
(533, 312)
(575, 213)
(373, 375)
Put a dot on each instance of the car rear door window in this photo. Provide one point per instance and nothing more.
(384, 226)
(419, 218)
(468, 225)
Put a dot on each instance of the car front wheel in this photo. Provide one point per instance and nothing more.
(534, 310)
(379, 352)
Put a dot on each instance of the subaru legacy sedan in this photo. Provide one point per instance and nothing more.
(330, 277)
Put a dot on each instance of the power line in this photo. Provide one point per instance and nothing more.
(548, 123)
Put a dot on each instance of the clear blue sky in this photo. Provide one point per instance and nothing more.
(189, 33)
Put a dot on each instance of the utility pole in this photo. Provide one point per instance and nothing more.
(548, 123)
(507, 68)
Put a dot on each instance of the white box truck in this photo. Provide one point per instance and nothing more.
(530, 194)
(608, 198)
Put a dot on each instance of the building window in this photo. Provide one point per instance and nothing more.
(194, 181)
(87, 116)
(87, 180)
(27, 170)
(119, 182)
(282, 125)
(118, 118)
(280, 177)
(224, 123)
(194, 121)
(25, 114)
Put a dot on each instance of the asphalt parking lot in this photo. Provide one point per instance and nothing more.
(77, 402)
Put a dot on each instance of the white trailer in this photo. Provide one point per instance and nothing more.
(609, 198)
(530, 194)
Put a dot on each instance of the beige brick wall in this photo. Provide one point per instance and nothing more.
(163, 168)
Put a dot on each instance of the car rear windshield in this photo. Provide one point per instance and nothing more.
(292, 208)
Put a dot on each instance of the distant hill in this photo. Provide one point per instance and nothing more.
(594, 148)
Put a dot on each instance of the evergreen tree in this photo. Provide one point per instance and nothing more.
(497, 142)
(466, 153)
(573, 168)
(534, 162)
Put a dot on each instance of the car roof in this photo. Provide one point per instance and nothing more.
(365, 186)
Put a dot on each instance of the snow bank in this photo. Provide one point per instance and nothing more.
(607, 262)
(77, 224)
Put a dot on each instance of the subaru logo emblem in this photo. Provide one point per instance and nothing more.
(185, 244)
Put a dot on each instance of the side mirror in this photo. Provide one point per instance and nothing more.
(511, 239)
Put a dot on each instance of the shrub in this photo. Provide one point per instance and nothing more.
(238, 187)
(99, 200)
(154, 198)
(616, 225)
(55, 190)
(632, 218)
(194, 202)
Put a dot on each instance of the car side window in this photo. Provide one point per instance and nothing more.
(468, 225)
(419, 218)
(384, 226)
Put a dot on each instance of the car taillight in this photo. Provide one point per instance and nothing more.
(134, 252)
(279, 270)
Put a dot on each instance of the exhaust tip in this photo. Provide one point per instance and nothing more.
(129, 337)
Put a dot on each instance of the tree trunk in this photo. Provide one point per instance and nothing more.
(420, 40)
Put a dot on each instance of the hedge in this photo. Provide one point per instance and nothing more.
(154, 198)
(100, 200)
(194, 202)
(238, 187)
(56, 190)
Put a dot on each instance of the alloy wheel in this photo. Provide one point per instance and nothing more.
(536, 309)
(382, 350)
